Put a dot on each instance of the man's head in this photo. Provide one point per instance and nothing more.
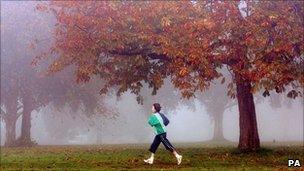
(156, 107)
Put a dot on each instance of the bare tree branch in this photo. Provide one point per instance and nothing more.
(145, 52)
(3, 114)
(19, 114)
(19, 107)
(84, 30)
(230, 105)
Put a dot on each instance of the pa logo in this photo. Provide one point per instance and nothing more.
(294, 163)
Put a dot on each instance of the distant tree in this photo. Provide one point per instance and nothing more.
(25, 89)
(166, 96)
(216, 103)
(128, 42)
(14, 42)
(10, 104)
(82, 102)
(277, 101)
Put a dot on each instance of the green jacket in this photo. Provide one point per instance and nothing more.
(156, 121)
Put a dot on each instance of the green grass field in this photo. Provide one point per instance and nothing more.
(196, 156)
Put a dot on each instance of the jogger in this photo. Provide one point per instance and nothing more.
(156, 121)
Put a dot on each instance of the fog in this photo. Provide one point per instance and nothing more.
(189, 119)
(186, 125)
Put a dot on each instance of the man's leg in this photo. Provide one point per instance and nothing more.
(153, 149)
(166, 142)
(155, 144)
(170, 147)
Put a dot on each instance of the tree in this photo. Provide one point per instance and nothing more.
(24, 88)
(127, 43)
(13, 89)
(216, 103)
(10, 105)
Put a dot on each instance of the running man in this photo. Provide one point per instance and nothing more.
(156, 121)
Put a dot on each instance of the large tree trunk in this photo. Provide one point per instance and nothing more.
(218, 126)
(249, 137)
(26, 126)
(25, 138)
(10, 119)
(10, 125)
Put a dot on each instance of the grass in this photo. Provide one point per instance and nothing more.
(196, 156)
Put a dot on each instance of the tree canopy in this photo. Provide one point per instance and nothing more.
(262, 41)
(130, 42)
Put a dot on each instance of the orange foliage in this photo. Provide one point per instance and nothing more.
(129, 42)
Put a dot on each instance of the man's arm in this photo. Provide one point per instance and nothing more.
(153, 120)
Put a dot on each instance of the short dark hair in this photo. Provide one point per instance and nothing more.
(157, 107)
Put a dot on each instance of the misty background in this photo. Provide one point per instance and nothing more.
(186, 125)
(190, 120)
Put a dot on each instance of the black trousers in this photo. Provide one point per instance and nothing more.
(157, 140)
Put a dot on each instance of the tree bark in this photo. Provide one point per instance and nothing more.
(10, 119)
(218, 126)
(249, 137)
(25, 138)
(26, 126)
(10, 124)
